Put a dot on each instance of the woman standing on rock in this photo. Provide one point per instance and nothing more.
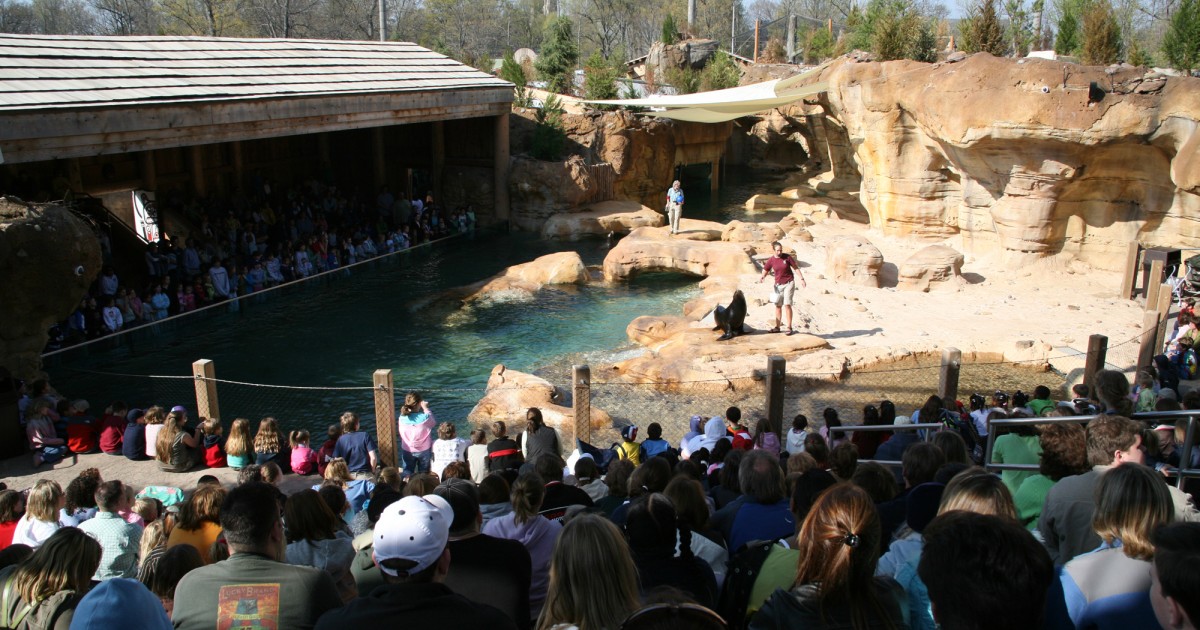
(538, 438)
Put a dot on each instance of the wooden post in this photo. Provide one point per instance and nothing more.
(1154, 283)
(756, 23)
(74, 176)
(500, 168)
(1130, 275)
(380, 159)
(1096, 353)
(439, 159)
(199, 186)
(581, 384)
(149, 172)
(791, 39)
(239, 165)
(385, 418)
(948, 378)
(714, 180)
(1149, 343)
(776, 378)
(1165, 296)
(205, 371)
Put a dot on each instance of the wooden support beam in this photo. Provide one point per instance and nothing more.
(437, 158)
(204, 372)
(500, 158)
(196, 153)
(386, 428)
(1130, 276)
(581, 405)
(776, 378)
(379, 158)
(149, 172)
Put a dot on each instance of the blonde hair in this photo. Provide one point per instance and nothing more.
(976, 490)
(446, 431)
(298, 437)
(166, 437)
(590, 545)
(211, 426)
(204, 506)
(239, 443)
(1131, 502)
(267, 438)
(338, 471)
(155, 415)
(65, 562)
(142, 506)
(270, 472)
(42, 503)
(155, 535)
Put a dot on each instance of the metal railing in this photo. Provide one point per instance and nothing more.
(930, 429)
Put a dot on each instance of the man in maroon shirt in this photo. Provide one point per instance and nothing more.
(782, 266)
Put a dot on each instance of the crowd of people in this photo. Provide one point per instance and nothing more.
(250, 242)
(731, 527)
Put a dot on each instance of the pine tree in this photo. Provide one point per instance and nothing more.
(669, 31)
(1067, 40)
(556, 64)
(1101, 35)
(599, 80)
(512, 72)
(983, 32)
(1181, 45)
(721, 72)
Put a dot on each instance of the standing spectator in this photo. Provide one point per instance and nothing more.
(447, 448)
(416, 423)
(477, 455)
(112, 316)
(503, 453)
(252, 586)
(45, 589)
(356, 447)
(200, 521)
(410, 550)
(674, 206)
(118, 539)
(41, 515)
(219, 277)
(538, 438)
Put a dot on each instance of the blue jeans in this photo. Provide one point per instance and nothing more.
(415, 462)
(53, 454)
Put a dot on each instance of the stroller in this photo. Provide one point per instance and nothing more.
(1187, 279)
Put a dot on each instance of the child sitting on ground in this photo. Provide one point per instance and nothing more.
(447, 448)
(795, 436)
(629, 448)
(1041, 402)
(654, 444)
(304, 459)
(239, 450)
(765, 439)
(477, 455)
(326, 451)
(81, 429)
(214, 447)
(112, 428)
(39, 428)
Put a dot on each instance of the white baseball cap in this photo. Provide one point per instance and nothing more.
(413, 528)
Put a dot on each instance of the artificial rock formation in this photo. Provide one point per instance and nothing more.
(1010, 156)
(936, 266)
(654, 249)
(854, 260)
(530, 277)
(599, 219)
(48, 257)
(511, 393)
(741, 232)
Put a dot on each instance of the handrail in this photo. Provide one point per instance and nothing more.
(933, 427)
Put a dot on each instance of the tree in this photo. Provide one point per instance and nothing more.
(280, 18)
(17, 17)
(512, 72)
(548, 136)
(556, 63)
(898, 31)
(1019, 31)
(126, 17)
(599, 80)
(214, 18)
(684, 80)
(1067, 40)
(670, 33)
(64, 17)
(982, 31)
(1101, 35)
(720, 73)
(1181, 45)
(818, 45)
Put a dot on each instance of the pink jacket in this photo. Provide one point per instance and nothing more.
(416, 431)
(304, 460)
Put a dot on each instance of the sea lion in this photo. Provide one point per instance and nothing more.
(731, 319)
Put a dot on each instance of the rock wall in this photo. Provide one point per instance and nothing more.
(1010, 157)
(48, 257)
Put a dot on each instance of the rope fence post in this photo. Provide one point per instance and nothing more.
(1149, 341)
(776, 377)
(1097, 352)
(948, 376)
(1165, 296)
(385, 417)
(1130, 277)
(205, 372)
(581, 405)
(1154, 284)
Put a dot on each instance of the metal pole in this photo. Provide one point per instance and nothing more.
(382, 21)
(756, 24)
(791, 39)
(733, 29)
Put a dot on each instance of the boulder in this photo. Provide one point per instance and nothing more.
(528, 278)
(932, 267)
(654, 249)
(742, 232)
(541, 189)
(599, 219)
(853, 259)
(511, 393)
(769, 203)
(48, 258)
(648, 330)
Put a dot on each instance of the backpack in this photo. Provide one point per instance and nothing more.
(740, 574)
(1186, 364)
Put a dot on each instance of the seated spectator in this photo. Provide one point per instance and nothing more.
(163, 568)
(484, 569)
(200, 521)
(239, 447)
(1063, 453)
(893, 449)
(420, 485)
(357, 448)
(80, 498)
(12, 508)
(120, 603)
(316, 540)
(178, 450)
(410, 549)
(588, 478)
(1008, 570)
(213, 443)
(494, 499)
(43, 591)
(695, 424)
(867, 442)
(1016, 445)
(269, 445)
(267, 591)
(559, 496)
(1110, 587)
(835, 585)
(325, 453)
(82, 431)
(877, 480)
(112, 428)
(118, 539)
(728, 487)
(652, 476)
(617, 482)
(503, 453)
(761, 513)
(366, 575)
(155, 418)
(1175, 593)
(843, 459)
(920, 465)
(14, 555)
(357, 490)
(538, 534)
(953, 447)
(687, 496)
(590, 545)
(43, 440)
(133, 441)
(538, 438)
(654, 445)
(41, 515)
(653, 532)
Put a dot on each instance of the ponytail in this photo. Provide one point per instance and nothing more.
(527, 494)
(685, 540)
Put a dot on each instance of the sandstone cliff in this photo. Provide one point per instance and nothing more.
(48, 257)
